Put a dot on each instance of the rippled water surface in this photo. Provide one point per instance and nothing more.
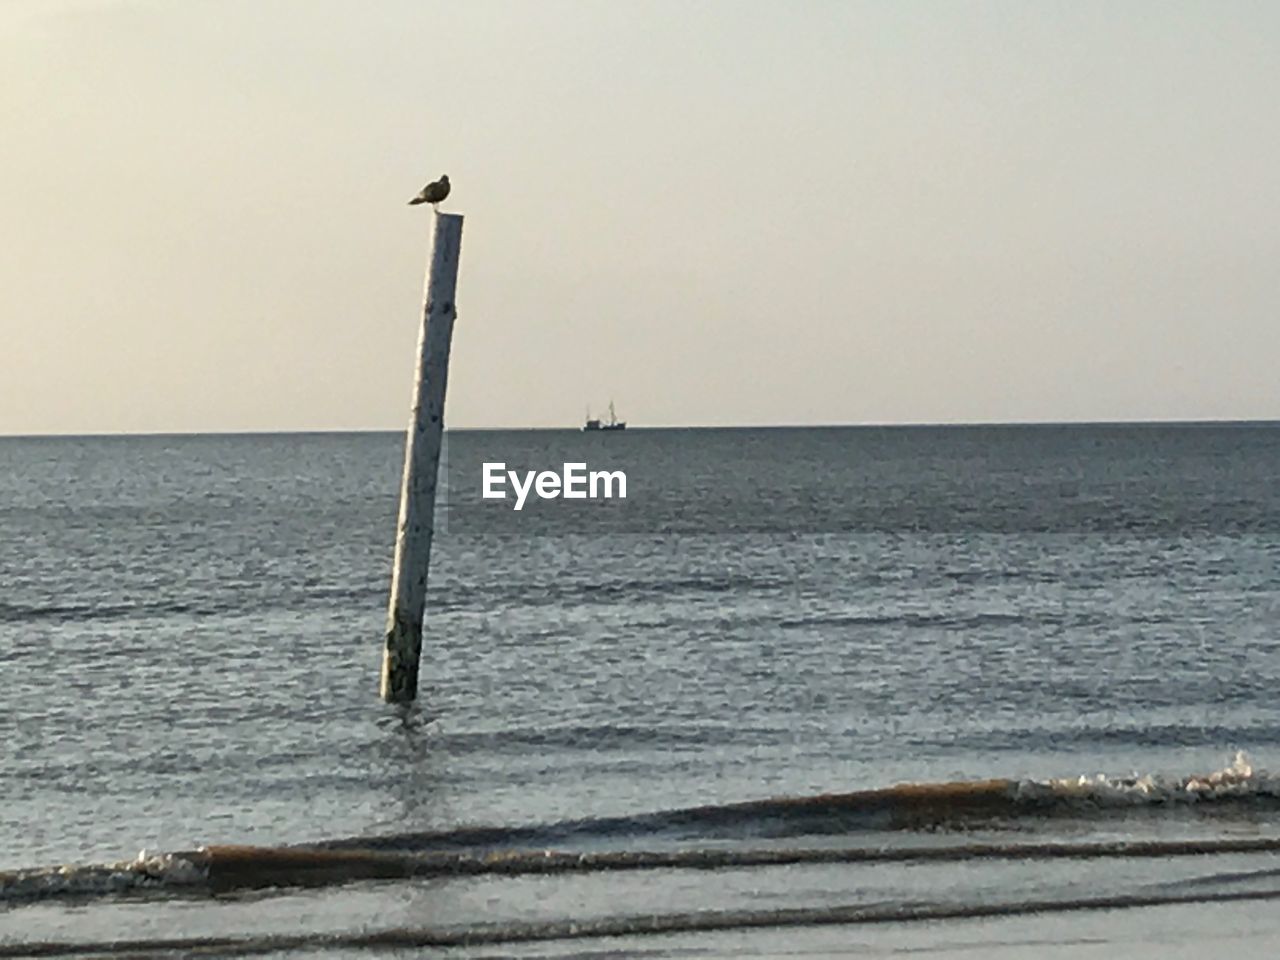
(190, 635)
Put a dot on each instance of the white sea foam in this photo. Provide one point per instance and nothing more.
(1238, 780)
(147, 870)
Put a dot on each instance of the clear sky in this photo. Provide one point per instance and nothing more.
(723, 212)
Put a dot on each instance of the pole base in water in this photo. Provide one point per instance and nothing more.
(400, 663)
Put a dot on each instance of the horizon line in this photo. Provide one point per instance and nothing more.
(872, 425)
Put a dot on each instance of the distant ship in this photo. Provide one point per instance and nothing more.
(613, 423)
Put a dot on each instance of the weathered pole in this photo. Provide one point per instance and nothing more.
(421, 465)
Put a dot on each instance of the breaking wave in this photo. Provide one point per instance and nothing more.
(529, 850)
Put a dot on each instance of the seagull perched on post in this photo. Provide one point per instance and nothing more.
(433, 192)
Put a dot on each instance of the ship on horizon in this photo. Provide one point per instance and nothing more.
(613, 423)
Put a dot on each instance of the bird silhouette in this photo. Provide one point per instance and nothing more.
(433, 192)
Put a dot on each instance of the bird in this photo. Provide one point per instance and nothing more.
(433, 192)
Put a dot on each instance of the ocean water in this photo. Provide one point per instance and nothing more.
(1003, 691)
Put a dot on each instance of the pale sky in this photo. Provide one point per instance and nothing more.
(712, 212)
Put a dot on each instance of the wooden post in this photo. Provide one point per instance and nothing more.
(421, 464)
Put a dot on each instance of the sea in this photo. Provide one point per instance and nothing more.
(970, 691)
